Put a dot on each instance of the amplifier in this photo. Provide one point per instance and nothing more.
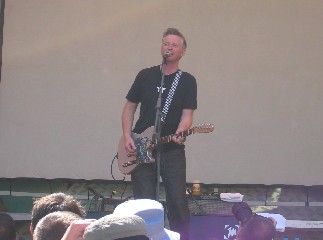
(210, 207)
(209, 197)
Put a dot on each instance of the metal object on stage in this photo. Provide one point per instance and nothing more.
(109, 204)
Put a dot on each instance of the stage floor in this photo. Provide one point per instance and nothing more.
(302, 206)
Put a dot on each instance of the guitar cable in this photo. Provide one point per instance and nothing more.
(124, 177)
(111, 168)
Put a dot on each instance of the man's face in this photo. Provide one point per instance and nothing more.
(174, 44)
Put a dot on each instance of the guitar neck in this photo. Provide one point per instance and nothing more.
(167, 139)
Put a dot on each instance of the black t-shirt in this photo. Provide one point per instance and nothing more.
(144, 90)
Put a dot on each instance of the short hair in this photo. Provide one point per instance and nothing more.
(53, 203)
(54, 225)
(176, 32)
(7, 227)
(257, 228)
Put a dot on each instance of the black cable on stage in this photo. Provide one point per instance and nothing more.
(111, 169)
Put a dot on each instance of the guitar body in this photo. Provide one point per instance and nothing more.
(144, 147)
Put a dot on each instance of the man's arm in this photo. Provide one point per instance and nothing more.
(185, 123)
(127, 121)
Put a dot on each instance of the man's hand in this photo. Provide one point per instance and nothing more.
(76, 230)
(179, 138)
(129, 144)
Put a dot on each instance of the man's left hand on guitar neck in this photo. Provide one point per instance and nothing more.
(178, 137)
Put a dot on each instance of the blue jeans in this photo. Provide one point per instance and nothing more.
(173, 174)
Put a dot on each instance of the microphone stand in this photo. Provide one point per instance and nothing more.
(158, 127)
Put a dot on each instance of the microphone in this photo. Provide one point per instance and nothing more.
(167, 54)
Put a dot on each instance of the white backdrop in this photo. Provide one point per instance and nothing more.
(67, 66)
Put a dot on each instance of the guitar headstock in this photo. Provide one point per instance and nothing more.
(203, 128)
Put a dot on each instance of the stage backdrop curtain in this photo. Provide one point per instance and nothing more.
(67, 66)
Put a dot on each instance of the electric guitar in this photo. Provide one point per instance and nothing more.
(145, 146)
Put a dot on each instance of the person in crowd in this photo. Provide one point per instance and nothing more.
(53, 203)
(152, 212)
(179, 100)
(54, 225)
(7, 227)
(115, 227)
(253, 226)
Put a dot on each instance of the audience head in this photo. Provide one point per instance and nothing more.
(252, 226)
(242, 212)
(7, 227)
(152, 212)
(53, 203)
(113, 227)
(54, 225)
(257, 228)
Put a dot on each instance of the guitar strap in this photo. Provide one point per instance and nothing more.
(170, 96)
